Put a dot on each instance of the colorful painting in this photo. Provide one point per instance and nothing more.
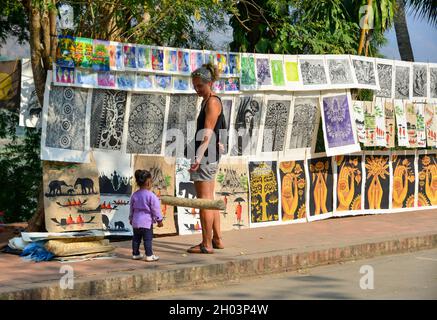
(163, 82)
(71, 196)
(221, 60)
(144, 58)
(196, 59)
(293, 190)
(85, 78)
(65, 52)
(129, 51)
(248, 75)
(184, 61)
(157, 59)
(219, 86)
(321, 184)
(232, 84)
(275, 124)
(108, 108)
(263, 74)
(234, 64)
(278, 71)
(115, 182)
(171, 60)
(358, 108)
(349, 183)
(390, 125)
(163, 177)
(427, 168)
(377, 187)
(181, 83)
(404, 180)
(411, 117)
(30, 109)
(188, 218)
(431, 124)
(291, 70)
(401, 123)
(379, 113)
(101, 56)
(338, 127)
(64, 75)
(143, 81)
(264, 192)
(106, 79)
(83, 52)
(125, 80)
(420, 125)
(231, 185)
(10, 76)
(369, 124)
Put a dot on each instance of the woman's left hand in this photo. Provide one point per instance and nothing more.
(195, 166)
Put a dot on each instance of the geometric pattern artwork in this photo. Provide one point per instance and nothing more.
(385, 77)
(427, 168)
(66, 118)
(377, 182)
(107, 117)
(293, 190)
(403, 184)
(349, 182)
(146, 123)
(275, 125)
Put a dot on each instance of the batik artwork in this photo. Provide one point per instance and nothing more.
(171, 60)
(157, 59)
(349, 184)
(411, 124)
(184, 61)
(390, 125)
(83, 52)
(431, 124)
(321, 184)
(248, 75)
(275, 124)
(404, 180)
(63, 75)
(401, 124)
(85, 78)
(129, 51)
(108, 109)
(144, 81)
(377, 187)
(181, 83)
(420, 125)
(106, 79)
(293, 191)
(163, 82)
(146, 124)
(196, 59)
(369, 124)
(144, 58)
(234, 64)
(379, 113)
(427, 168)
(65, 52)
(101, 55)
(125, 80)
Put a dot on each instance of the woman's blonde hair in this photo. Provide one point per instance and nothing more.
(207, 72)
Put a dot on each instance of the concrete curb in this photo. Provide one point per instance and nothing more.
(130, 283)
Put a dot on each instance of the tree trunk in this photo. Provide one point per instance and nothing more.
(37, 222)
(402, 35)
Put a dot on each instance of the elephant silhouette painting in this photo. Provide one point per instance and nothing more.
(55, 188)
(86, 184)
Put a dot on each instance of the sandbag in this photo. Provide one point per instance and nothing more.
(72, 247)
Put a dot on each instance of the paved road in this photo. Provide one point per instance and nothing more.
(406, 276)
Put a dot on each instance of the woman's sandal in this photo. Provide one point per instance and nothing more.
(199, 249)
(216, 246)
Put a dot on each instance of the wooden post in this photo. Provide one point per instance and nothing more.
(194, 203)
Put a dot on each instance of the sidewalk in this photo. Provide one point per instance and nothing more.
(250, 252)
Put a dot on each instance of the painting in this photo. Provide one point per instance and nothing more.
(248, 75)
(171, 60)
(181, 124)
(377, 186)
(221, 61)
(116, 59)
(129, 52)
(10, 76)
(404, 180)
(427, 169)
(181, 83)
(349, 170)
(293, 191)
(291, 69)
(246, 125)
(196, 59)
(184, 61)
(144, 58)
(83, 52)
(431, 124)
(390, 125)
(106, 79)
(232, 186)
(188, 218)
(369, 124)
(146, 124)
(358, 108)
(379, 113)
(340, 71)
(275, 123)
(420, 125)
(234, 64)
(411, 116)
(71, 196)
(232, 85)
(365, 72)
(115, 183)
(108, 108)
(277, 64)
(85, 78)
(313, 71)
(420, 81)
(263, 193)
(163, 177)
(144, 81)
(65, 51)
(157, 59)
(320, 189)
(227, 105)
(30, 109)
(100, 61)
(401, 123)
(163, 82)
(64, 75)
(385, 77)
(433, 82)
(263, 73)
(306, 117)
(125, 80)
(402, 82)
(338, 126)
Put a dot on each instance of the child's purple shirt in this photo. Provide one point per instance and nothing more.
(145, 209)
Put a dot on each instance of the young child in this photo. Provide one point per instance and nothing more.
(145, 209)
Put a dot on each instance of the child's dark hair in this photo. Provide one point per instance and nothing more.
(141, 176)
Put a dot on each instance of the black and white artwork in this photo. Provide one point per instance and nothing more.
(246, 125)
(385, 77)
(365, 72)
(402, 82)
(313, 71)
(340, 71)
(146, 123)
(420, 81)
(227, 104)
(66, 118)
(433, 82)
(108, 109)
(181, 124)
(275, 125)
(30, 109)
(305, 122)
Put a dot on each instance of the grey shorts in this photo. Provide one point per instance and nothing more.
(206, 172)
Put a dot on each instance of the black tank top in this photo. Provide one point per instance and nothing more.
(220, 124)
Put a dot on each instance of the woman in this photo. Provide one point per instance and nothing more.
(207, 154)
